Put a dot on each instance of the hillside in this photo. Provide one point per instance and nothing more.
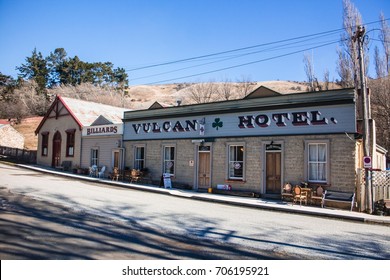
(142, 96)
(27, 128)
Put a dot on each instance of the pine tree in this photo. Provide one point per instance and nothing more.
(35, 69)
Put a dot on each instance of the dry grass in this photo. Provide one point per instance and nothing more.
(141, 97)
(27, 128)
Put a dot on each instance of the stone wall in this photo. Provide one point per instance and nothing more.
(342, 153)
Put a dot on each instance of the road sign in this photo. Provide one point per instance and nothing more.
(367, 162)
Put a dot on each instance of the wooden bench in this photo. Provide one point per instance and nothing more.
(240, 193)
(338, 196)
(65, 166)
(387, 207)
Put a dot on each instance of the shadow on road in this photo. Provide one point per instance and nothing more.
(32, 229)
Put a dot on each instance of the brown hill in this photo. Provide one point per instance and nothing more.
(142, 96)
(27, 127)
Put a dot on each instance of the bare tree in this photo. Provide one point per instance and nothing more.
(382, 63)
(245, 86)
(225, 90)
(385, 39)
(348, 64)
(202, 92)
(309, 70)
(326, 79)
(380, 101)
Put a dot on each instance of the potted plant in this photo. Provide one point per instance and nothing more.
(80, 170)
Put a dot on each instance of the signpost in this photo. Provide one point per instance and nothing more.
(367, 162)
(167, 181)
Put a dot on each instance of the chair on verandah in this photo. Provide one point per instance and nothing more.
(101, 172)
(299, 195)
(287, 191)
(115, 174)
(136, 175)
(92, 171)
(318, 195)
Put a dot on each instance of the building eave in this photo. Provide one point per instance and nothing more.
(289, 100)
(53, 105)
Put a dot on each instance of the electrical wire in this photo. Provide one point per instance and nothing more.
(229, 58)
(216, 57)
(239, 65)
(233, 50)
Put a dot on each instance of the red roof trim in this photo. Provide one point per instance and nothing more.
(55, 102)
(71, 113)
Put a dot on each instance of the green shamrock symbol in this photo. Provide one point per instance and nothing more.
(217, 123)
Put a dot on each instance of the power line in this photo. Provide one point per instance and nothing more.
(240, 65)
(292, 41)
(233, 50)
(244, 48)
(285, 46)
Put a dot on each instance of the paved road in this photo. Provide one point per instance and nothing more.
(233, 232)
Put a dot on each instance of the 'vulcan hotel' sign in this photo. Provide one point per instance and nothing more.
(329, 119)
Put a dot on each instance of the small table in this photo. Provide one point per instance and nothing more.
(308, 191)
(127, 175)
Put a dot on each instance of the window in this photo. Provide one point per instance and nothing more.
(236, 162)
(70, 135)
(95, 156)
(45, 143)
(139, 157)
(169, 160)
(317, 162)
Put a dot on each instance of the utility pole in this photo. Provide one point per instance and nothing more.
(359, 37)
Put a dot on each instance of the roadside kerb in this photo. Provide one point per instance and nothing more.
(259, 203)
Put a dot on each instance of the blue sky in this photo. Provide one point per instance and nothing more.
(137, 33)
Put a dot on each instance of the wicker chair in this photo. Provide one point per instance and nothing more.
(136, 176)
(115, 174)
(318, 195)
(299, 195)
(287, 191)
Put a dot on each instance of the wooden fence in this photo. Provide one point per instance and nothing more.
(18, 155)
(380, 185)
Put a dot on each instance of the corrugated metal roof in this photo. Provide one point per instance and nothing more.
(287, 100)
(87, 112)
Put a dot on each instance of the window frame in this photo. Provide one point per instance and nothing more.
(45, 144)
(70, 142)
(94, 160)
(164, 160)
(229, 175)
(308, 162)
(138, 160)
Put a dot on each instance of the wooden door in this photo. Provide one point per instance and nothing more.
(273, 173)
(56, 157)
(116, 159)
(204, 170)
